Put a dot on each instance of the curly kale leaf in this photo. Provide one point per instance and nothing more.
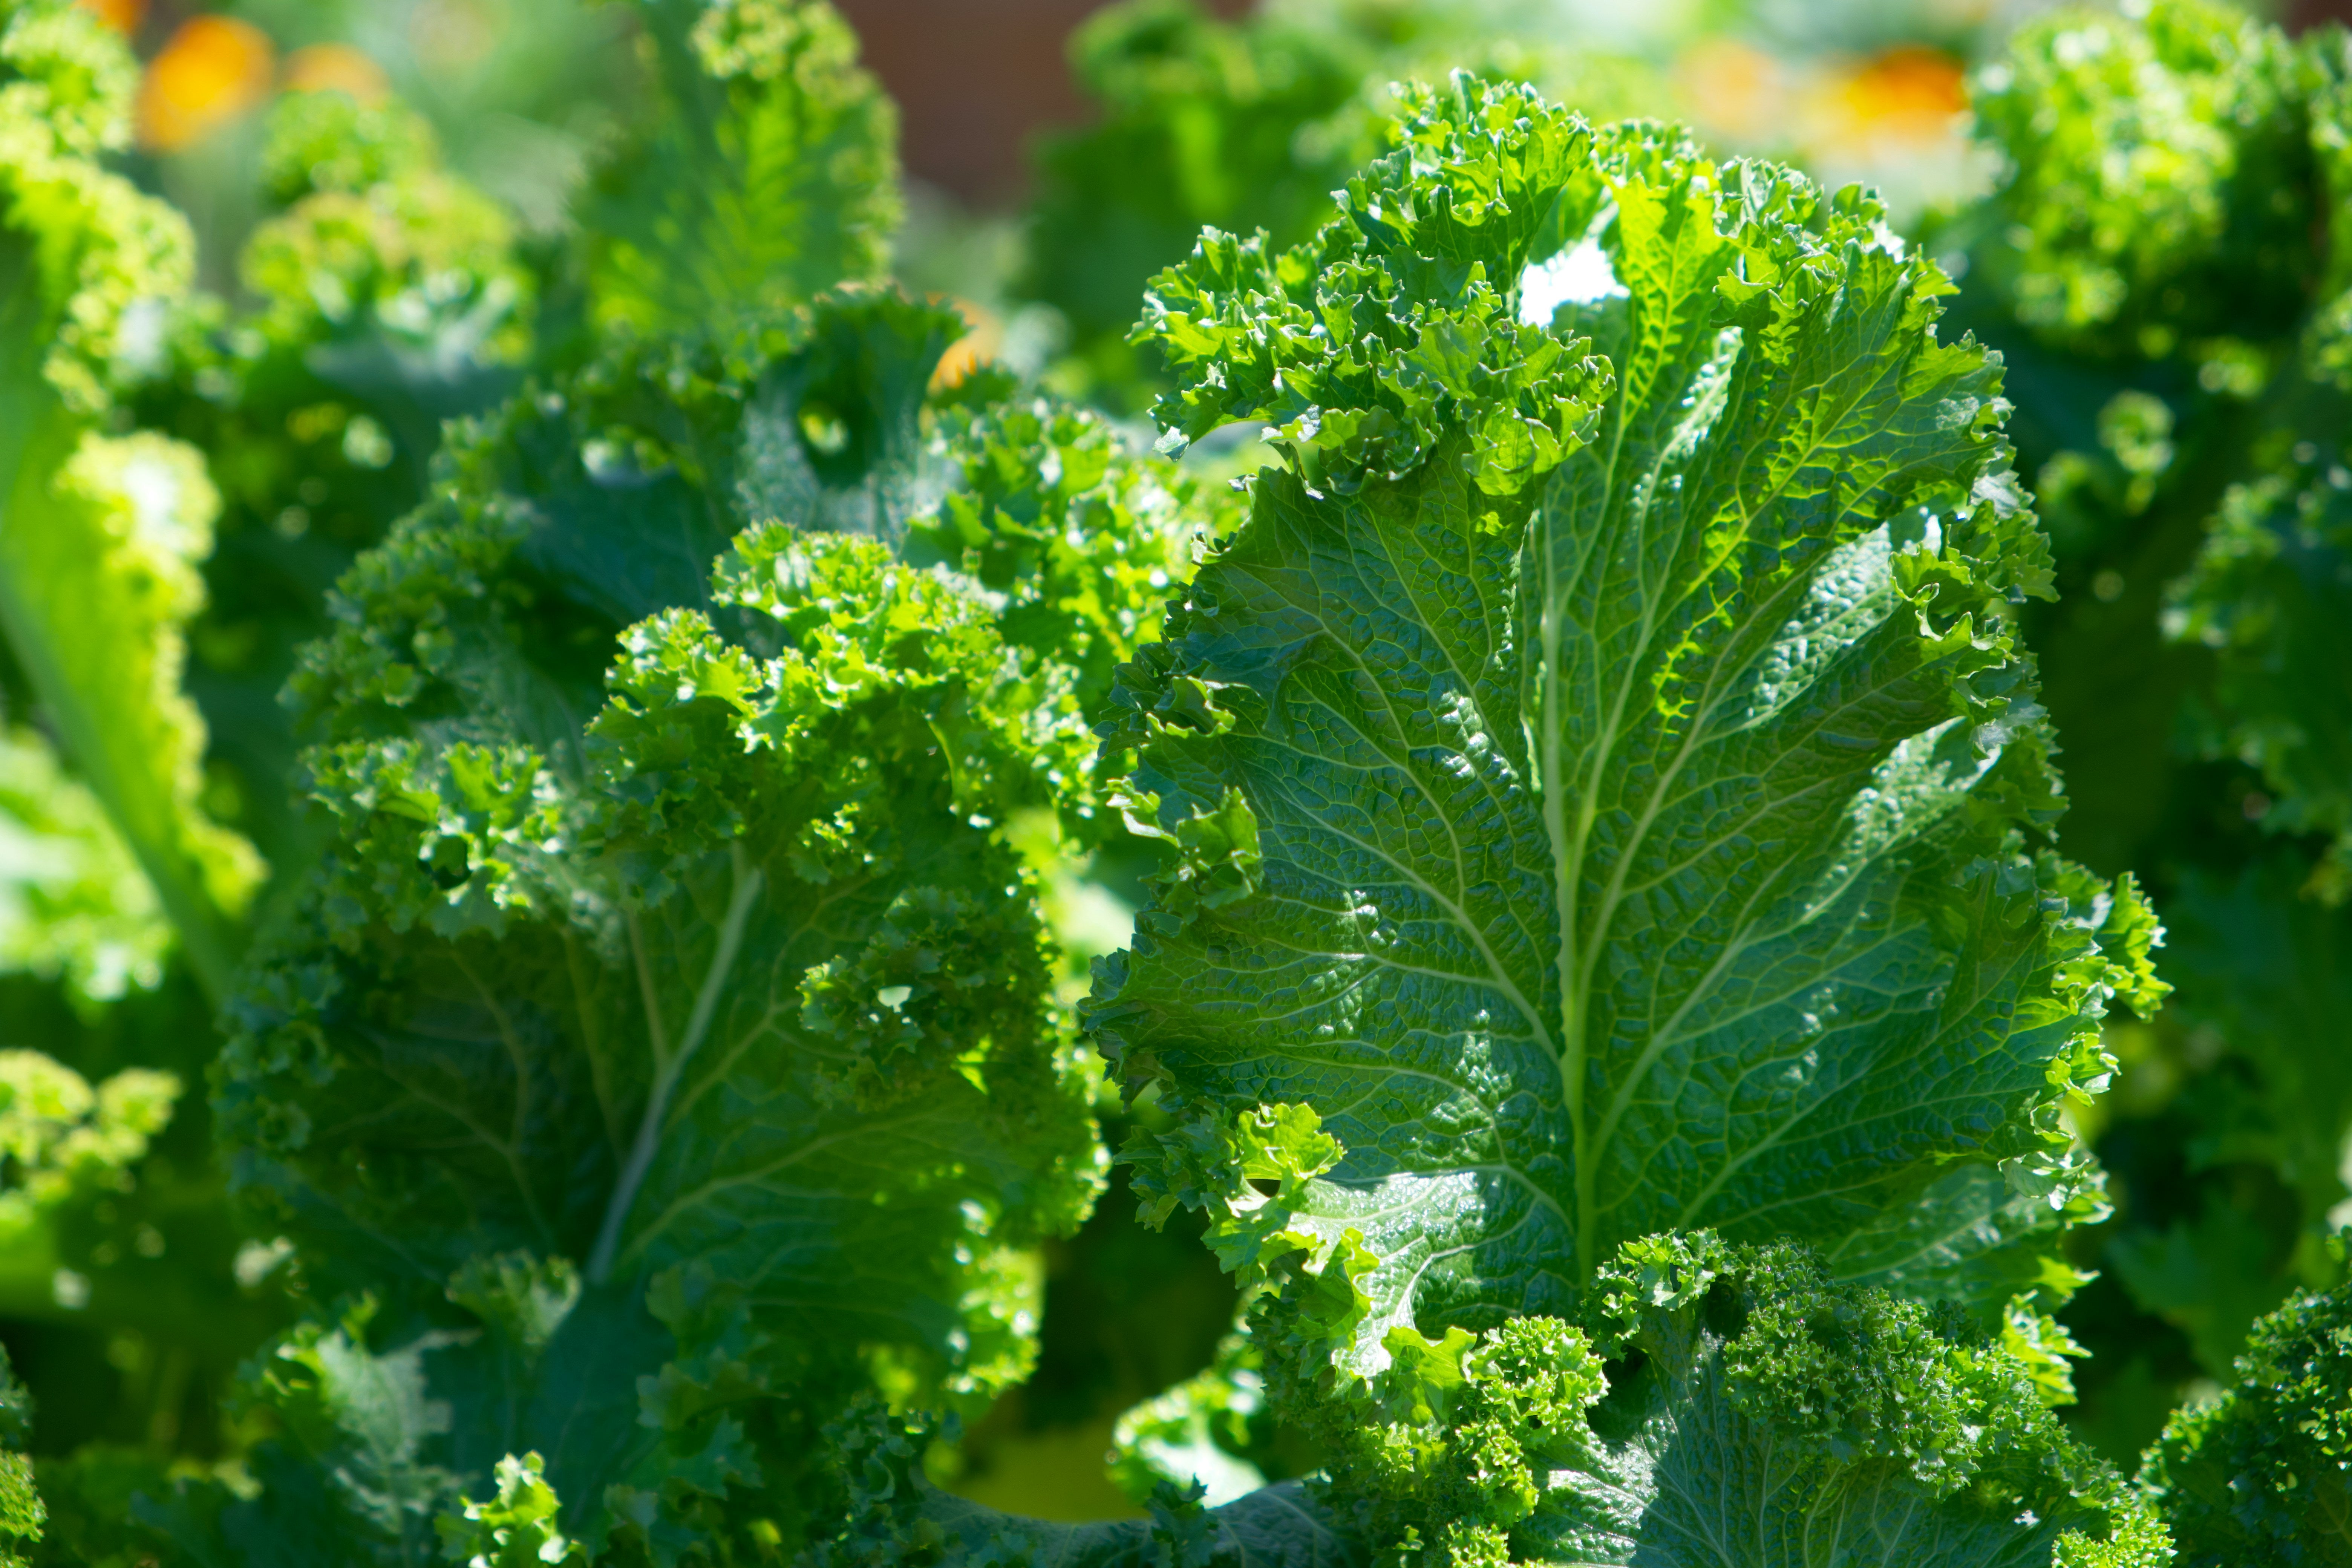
(2159, 187)
(770, 173)
(1614, 823)
(1244, 125)
(101, 534)
(382, 296)
(2267, 593)
(1719, 1404)
(2268, 973)
(1710, 1404)
(2263, 1475)
(1085, 540)
(668, 1035)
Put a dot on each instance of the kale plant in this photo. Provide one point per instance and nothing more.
(1612, 991)
(2163, 263)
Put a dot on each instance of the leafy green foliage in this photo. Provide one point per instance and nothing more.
(768, 176)
(75, 905)
(1246, 125)
(2159, 263)
(58, 1134)
(382, 296)
(1087, 540)
(22, 1513)
(515, 1529)
(97, 563)
(2267, 593)
(2260, 968)
(772, 1033)
(1611, 993)
(2259, 1477)
(1207, 1428)
(1597, 761)
(1767, 1417)
(1573, 907)
(2158, 178)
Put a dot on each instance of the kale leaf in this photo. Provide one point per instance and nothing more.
(1601, 785)
(2260, 1476)
(98, 559)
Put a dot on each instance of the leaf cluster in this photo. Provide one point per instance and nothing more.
(1616, 989)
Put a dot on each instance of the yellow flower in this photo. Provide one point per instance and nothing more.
(214, 70)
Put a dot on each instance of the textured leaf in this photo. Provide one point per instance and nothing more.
(100, 535)
(2158, 188)
(1755, 1415)
(668, 1035)
(1249, 124)
(73, 901)
(1979, 1236)
(768, 176)
(1086, 540)
(1637, 844)
(2263, 1475)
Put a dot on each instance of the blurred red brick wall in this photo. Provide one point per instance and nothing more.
(973, 79)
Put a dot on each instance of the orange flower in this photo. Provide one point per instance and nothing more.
(122, 16)
(215, 70)
(336, 67)
(1908, 93)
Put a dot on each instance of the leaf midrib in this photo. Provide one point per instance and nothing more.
(1577, 969)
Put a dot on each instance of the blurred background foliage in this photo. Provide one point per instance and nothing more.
(377, 188)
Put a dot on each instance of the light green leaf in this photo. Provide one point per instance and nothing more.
(100, 535)
(2157, 186)
(1727, 1406)
(60, 1136)
(515, 1529)
(771, 174)
(1208, 1429)
(1085, 539)
(74, 903)
(1644, 847)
